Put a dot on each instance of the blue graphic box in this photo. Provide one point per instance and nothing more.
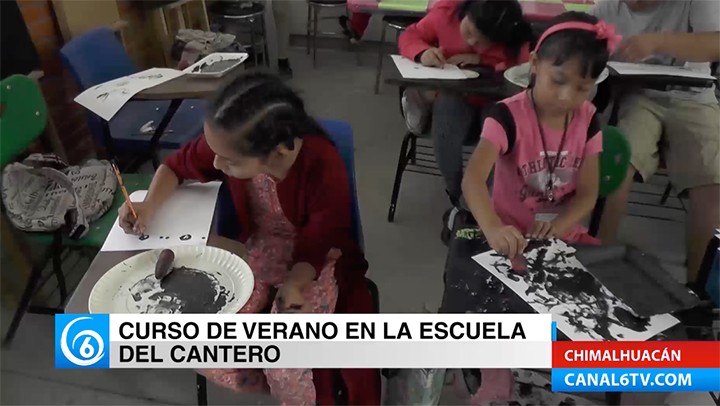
(82, 341)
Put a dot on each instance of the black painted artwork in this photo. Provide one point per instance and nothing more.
(144, 237)
(184, 290)
(554, 281)
(185, 237)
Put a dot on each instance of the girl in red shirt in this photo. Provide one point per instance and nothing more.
(292, 196)
(489, 33)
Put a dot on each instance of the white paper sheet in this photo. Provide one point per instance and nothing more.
(584, 309)
(626, 68)
(107, 98)
(412, 70)
(185, 219)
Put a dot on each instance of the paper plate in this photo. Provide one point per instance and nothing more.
(520, 75)
(471, 74)
(224, 61)
(204, 280)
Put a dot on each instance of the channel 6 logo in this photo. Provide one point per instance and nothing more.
(82, 340)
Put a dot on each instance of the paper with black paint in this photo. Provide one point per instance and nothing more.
(185, 219)
(584, 309)
(106, 99)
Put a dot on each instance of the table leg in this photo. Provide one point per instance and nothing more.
(160, 130)
(381, 54)
(596, 216)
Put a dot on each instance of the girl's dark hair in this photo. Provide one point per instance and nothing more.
(574, 43)
(501, 21)
(260, 112)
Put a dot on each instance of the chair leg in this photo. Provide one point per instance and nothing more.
(253, 42)
(201, 386)
(316, 17)
(57, 267)
(381, 54)
(263, 32)
(402, 163)
(666, 194)
(596, 216)
(307, 29)
(24, 304)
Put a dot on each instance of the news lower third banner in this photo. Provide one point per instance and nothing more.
(627, 366)
(303, 341)
(193, 341)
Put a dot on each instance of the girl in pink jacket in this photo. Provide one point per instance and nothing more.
(489, 33)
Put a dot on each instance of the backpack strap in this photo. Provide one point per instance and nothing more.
(594, 128)
(501, 113)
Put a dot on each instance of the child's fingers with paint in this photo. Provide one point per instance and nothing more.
(542, 230)
(506, 240)
(135, 223)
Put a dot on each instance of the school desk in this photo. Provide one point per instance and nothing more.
(106, 260)
(176, 90)
(535, 10)
(469, 287)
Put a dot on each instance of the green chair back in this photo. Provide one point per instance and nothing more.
(614, 160)
(23, 116)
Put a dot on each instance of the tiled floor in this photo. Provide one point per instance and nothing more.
(405, 253)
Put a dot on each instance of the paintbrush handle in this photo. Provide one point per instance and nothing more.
(124, 190)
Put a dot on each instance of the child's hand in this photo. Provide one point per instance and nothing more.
(464, 59)
(506, 240)
(132, 225)
(542, 230)
(433, 57)
(290, 298)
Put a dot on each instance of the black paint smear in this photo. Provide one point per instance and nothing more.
(185, 237)
(553, 282)
(184, 290)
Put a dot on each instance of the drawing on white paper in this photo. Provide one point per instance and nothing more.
(194, 204)
(628, 68)
(556, 282)
(106, 99)
(412, 70)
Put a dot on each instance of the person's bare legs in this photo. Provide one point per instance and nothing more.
(615, 209)
(640, 121)
(702, 220)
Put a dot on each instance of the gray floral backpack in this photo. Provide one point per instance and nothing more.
(42, 193)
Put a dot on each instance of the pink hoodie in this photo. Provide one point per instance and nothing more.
(441, 28)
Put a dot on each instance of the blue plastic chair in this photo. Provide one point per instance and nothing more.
(341, 134)
(97, 56)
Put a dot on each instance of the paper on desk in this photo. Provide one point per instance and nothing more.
(107, 98)
(411, 70)
(184, 220)
(626, 68)
(584, 309)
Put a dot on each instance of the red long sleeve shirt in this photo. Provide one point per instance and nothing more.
(441, 28)
(315, 197)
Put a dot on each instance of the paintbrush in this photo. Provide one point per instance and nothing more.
(124, 190)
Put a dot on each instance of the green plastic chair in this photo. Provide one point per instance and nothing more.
(614, 160)
(614, 163)
(22, 123)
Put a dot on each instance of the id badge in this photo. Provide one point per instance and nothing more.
(545, 217)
